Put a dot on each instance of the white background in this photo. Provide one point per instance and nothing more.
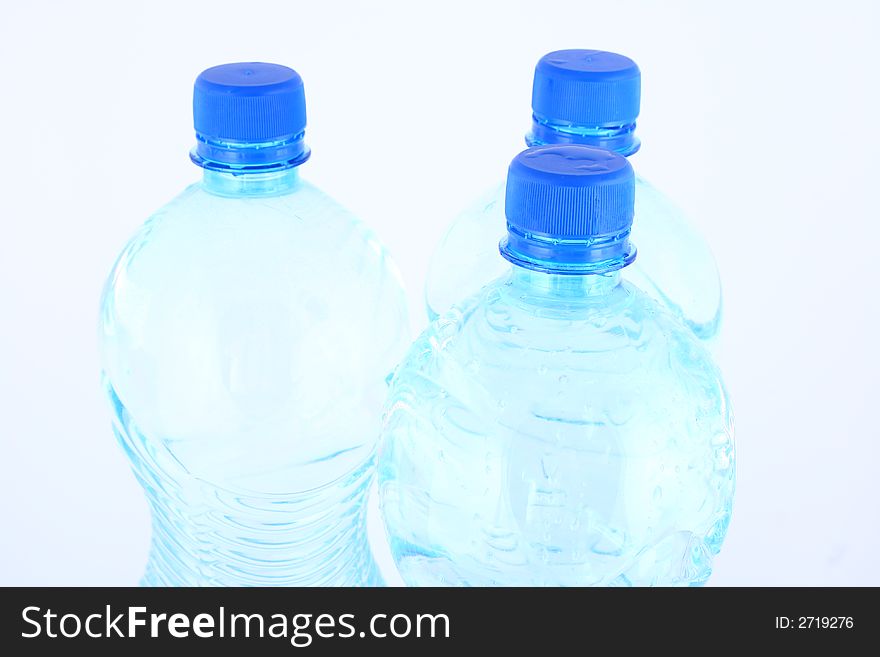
(759, 118)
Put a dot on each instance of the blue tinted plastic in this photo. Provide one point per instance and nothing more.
(586, 88)
(246, 334)
(558, 428)
(245, 395)
(249, 114)
(618, 138)
(569, 208)
(675, 265)
(552, 430)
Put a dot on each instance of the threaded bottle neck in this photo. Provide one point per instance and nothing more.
(240, 156)
(599, 255)
(618, 138)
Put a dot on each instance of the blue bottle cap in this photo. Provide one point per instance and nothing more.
(249, 115)
(569, 208)
(589, 88)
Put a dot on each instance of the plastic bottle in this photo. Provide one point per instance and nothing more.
(560, 427)
(246, 332)
(588, 97)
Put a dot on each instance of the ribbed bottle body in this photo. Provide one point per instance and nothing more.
(246, 333)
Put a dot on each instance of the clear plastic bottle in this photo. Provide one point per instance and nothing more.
(560, 427)
(246, 333)
(588, 97)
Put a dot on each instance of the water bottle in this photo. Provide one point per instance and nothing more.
(246, 333)
(588, 97)
(560, 427)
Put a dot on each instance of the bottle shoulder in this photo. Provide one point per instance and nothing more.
(509, 307)
(305, 228)
(208, 258)
(258, 316)
(489, 370)
(199, 206)
(624, 336)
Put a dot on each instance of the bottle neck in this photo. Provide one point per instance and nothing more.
(568, 287)
(235, 168)
(598, 255)
(251, 184)
(618, 138)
